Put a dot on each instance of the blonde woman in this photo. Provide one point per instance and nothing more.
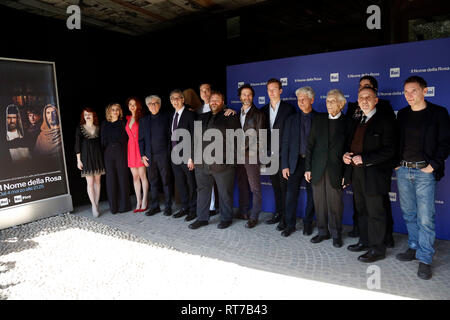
(114, 142)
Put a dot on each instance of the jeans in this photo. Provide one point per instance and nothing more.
(417, 193)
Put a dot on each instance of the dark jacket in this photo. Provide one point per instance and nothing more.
(324, 151)
(221, 123)
(145, 139)
(379, 149)
(383, 106)
(291, 141)
(186, 122)
(284, 111)
(435, 136)
(255, 119)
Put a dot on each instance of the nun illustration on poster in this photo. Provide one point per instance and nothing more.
(49, 140)
(18, 148)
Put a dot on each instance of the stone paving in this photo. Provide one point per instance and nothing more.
(265, 249)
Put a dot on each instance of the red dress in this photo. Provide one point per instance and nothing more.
(134, 155)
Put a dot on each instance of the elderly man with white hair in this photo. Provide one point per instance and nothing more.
(293, 154)
(325, 169)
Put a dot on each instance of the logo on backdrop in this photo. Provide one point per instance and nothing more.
(334, 77)
(240, 84)
(262, 100)
(284, 81)
(393, 196)
(394, 73)
(430, 92)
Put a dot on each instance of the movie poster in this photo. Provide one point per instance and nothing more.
(32, 165)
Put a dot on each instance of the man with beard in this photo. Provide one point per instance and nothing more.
(49, 140)
(15, 136)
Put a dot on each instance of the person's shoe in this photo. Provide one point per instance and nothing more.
(319, 238)
(275, 219)
(408, 255)
(212, 213)
(251, 223)
(307, 229)
(168, 212)
(424, 271)
(389, 241)
(357, 247)
(287, 232)
(337, 242)
(224, 224)
(371, 256)
(181, 213)
(354, 233)
(190, 216)
(197, 224)
(152, 211)
(281, 226)
(242, 216)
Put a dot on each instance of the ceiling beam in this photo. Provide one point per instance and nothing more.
(139, 9)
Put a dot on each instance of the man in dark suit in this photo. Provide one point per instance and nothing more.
(354, 112)
(424, 146)
(369, 157)
(324, 168)
(293, 154)
(154, 145)
(215, 168)
(277, 112)
(184, 118)
(249, 173)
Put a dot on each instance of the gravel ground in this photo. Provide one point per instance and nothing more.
(73, 257)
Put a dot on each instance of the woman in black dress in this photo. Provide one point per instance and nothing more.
(89, 155)
(114, 142)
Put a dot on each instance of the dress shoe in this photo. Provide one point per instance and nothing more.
(287, 232)
(354, 233)
(275, 219)
(251, 223)
(197, 224)
(242, 216)
(281, 226)
(389, 242)
(424, 271)
(212, 213)
(224, 224)
(168, 212)
(152, 211)
(357, 247)
(181, 213)
(371, 256)
(190, 216)
(337, 242)
(408, 255)
(307, 229)
(319, 238)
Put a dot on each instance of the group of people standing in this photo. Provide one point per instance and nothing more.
(329, 150)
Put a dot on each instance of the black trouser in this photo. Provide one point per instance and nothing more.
(225, 184)
(329, 207)
(372, 212)
(293, 190)
(117, 178)
(249, 175)
(160, 166)
(279, 185)
(186, 186)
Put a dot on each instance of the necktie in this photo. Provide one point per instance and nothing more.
(363, 120)
(174, 127)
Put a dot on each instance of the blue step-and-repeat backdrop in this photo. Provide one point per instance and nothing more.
(390, 65)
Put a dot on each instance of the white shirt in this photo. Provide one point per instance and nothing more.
(206, 108)
(11, 135)
(179, 117)
(370, 114)
(335, 117)
(273, 113)
(242, 116)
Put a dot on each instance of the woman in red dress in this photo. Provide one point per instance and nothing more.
(135, 164)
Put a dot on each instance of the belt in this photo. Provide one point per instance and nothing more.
(416, 165)
(302, 156)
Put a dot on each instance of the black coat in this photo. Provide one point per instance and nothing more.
(254, 119)
(435, 136)
(186, 121)
(324, 151)
(145, 145)
(284, 111)
(379, 148)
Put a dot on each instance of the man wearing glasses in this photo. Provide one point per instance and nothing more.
(154, 145)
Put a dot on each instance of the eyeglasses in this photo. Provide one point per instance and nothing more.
(153, 103)
(175, 98)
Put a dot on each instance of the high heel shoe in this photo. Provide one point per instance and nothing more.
(136, 210)
(143, 210)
